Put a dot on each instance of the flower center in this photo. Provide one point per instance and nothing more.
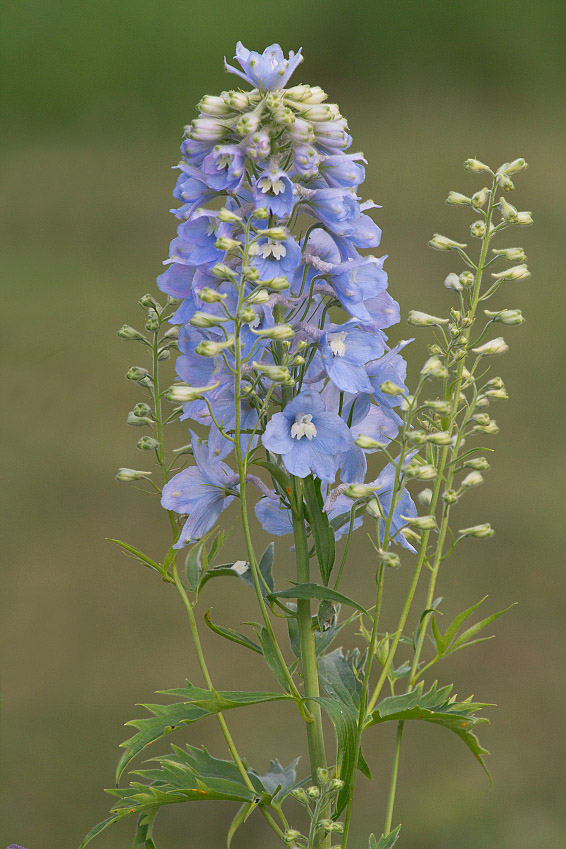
(272, 185)
(303, 426)
(337, 343)
(275, 249)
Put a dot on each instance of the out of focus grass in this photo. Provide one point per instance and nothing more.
(95, 98)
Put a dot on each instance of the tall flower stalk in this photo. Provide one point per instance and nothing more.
(291, 389)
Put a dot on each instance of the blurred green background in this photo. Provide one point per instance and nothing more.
(94, 98)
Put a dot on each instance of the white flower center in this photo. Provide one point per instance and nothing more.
(212, 228)
(255, 322)
(303, 426)
(275, 249)
(271, 184)
(224, 161)
(240, 567)
(337, 342)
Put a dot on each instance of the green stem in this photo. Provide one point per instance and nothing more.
(393, 782)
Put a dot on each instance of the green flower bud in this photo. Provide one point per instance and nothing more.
(278, 374)
(473, 479)
(443, 243)
(416, 437)
(147, 443)
(226, 244)
(516, 272)
(477, 229)
(248, 123)
(237, 100)
(277, 284)
(279, 332)
(496, 383)
(423, 319)
(223, 272)
(226, 215)
(456, 199)
(514, 167)
(152, 321)
(172, 333)
(275, 233)
(491, 429)
(299, 794)
(313, 792)
(506, 183)
(136, 373)
(130, 475)
(250, 273)
(466, 278)
(247, 315)
(204, 319)
(439, 438)
(138, 421)
(423, 523)
(435, 350)
(390, 388)
(479, 531)
(164, 354)
(511, 254)
(207, 348)
(390, 559)
(210, 296)
(148, 301)
(182, 393)
(359, 490)
(481, 419)
(261, 213)
(479, 464)
(335, 784)
(184, 449)
(434, 368)
(524, 218)
(449, 496)
(259, 296)
(480, 198)
(508, 211)
(368, 442)
(130, 334)
(492, 348)
(510, 317)
(425, 472)
(291, 834)
(498, 394)
(476, 167)
(322, 775)
(142, 409)
(442, 407)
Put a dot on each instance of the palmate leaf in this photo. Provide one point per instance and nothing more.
(450, 642)
(386, 841)
(439, 707)
(196, 703)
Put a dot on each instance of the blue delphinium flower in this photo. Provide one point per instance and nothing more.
(307, 437)
(268, 70)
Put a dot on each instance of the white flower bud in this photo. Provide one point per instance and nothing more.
(130, 334)
(480, 198)
(138, 421)
(434, 367)
(207, 348)
(510, 317)
(368, 442)
(130, 475)
(473, 479)
(248, 123)
(476, 167)
(492, 348)
(226, 244)
(425, 497)
(514, 167)
(442, 407)
(423, 319)
(223, 272)
(227, 215)
(215, 106)
(277, 284)
(259, 296)
(505, 182)
(422, 523)
(279, 332)
(211, 296)
(508, 211)
(390, 388)
(426, 472)
(477, 229)
(237, 100)
(182, 393)
(524, 218)
(291, 834)
(277, 233)
(261, 213)
(453, 282)
(278, 374)
(516, 272)
(498, 394)
(359, 490)
(416, 437)
(457, 199)
(481, 419)
(442, 437)
(479, 531)
(511, 254)
(204, 319)
(491, 429)
(173, 332)
(479, 464)
(443, 243)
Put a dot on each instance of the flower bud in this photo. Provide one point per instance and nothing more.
(508, 211)
(498, 394)
(210, 296)
(492, 348)
(480, 198)
(172, 333)
(247, 315)
(147, 443)
(514, 167)
(130, 475)
(130, 334)
(212, 105)
(250, 273)
(136, 373)
(479, 531)
(142, 409)
(477, 229)
(423, 319)
(279, 332)
(261, 213)
(224, 243)
(496, 383)
(237, 100)
(482, 419)
(466, 278)
(291, 834)
(449, 496)
(524, 218)
(473, 479)
(207, 348)
(476, 167)
(322, 775)
(456, 199)
(335, 784)
(313, 792)
(390, 388)
(138, 421)
(359, 490)
(184, 449)
(425, 497)
(506, 183)
(182, 393)
(368, 442)
(516, 272)
(223, 272)
(491, 429)
(479, 464)
(248, 123)
(443, 243)
(204, 319)
(422, 523)
(442, 407)
(511, 254)
(434, 368)
(148, 301)
(416, 437)
(299, 794)
(277, 284)
(452, 281)
(260, 296)
(442, 437)
(276, 233)
(390, 559)
(510, 317)
(226, 215)
(152, 321)
(278, 374)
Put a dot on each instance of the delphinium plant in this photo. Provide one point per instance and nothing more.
(294, 405)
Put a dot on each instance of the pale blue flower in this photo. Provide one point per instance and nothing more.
(268, 70)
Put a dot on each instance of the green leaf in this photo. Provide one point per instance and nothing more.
(386, 841)
(272, 658)
(449, 642)
(193, 564)
(321, 593)
(264, 565)
(229, 634)
(240, 818)
(195, 704)
(223, 571)
(97, 829)
(136, 554)
(277, 474)
(439, 707)
(322, 532)
(217, 544)
(278, 781)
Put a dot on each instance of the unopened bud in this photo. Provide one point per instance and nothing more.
(482, 419)
(224, 243)
(299, 794)
(425, 497)
(425, 472)
(442, 407)
(291, 834)
(476, 167)
(390, 559)
(390, 388)
(250, 273)
(439, 438)
(492, 348)
(449, 496)
(147, 301)
(359, 490)
(152, 321)
(335, 784)
(508, 211)
(138, 421)
(207, 348)
(473, 479)
(236, 99)
(261, 213)
(416, 437)
(247, 315)
(496, 383)
(524, 218)
(491, 429)
(223, 272)
(248, 123)
(510, 317)
(279, 332)
(505, 182)
(260, 296)
(511, 254)
(514, 167)
(142, 409)
(480, 198)
(457, 199)
(147, 443)
(452, 281)
(277, 284)
(226, 215)
(210, 296)
(212, 105)
(182, 393)
(479, 531)
(130, 334)
(368, 442)
(172, 333)
(423, 319)
(276, 233)
(313, 792)
(434, 367)
(517, 272)
(443, 243)
(477, 229)
(466, 278)
(422, 523)
(136, 373)
(204, 319)
(498, 394)
(479, 464)
(130, 475)
(278, 374)
(322, 775)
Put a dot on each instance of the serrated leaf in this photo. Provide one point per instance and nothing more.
(229, 634)
(321, 593)
(278, 781)
(196, 704)
(386, 841)
(322, 532)
(439, 707)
